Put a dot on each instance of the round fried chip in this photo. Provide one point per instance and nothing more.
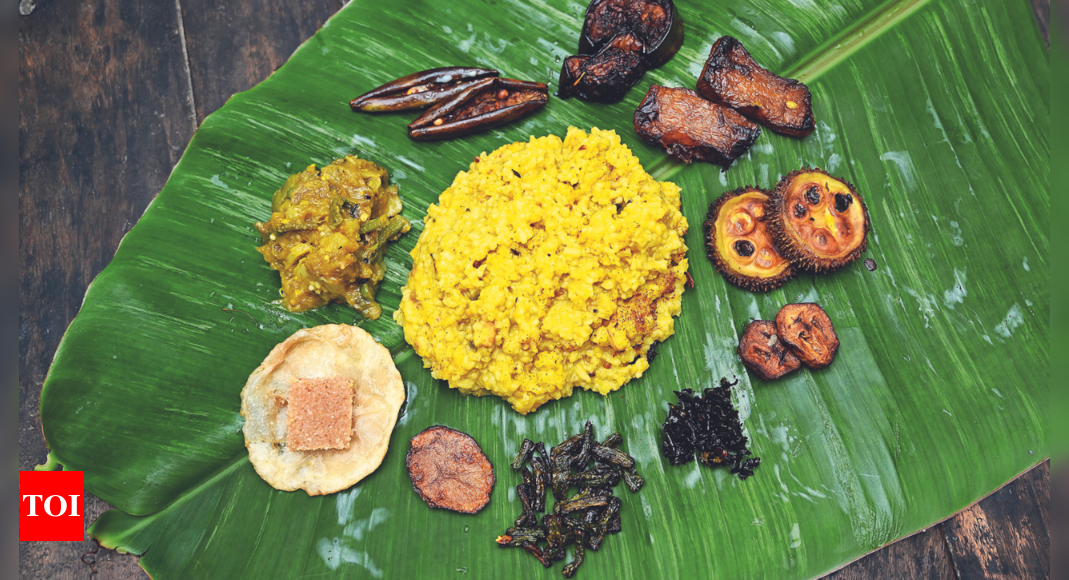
(323, 352)
(449, 470)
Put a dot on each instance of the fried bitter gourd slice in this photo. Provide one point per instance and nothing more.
(733, 78)
(739, 244)
(819, 222)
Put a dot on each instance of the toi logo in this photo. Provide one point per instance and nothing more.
(52, 506)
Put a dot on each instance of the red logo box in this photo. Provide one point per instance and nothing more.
(51, 506)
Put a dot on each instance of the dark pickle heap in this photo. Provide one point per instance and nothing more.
(583, 519)
(708, 427)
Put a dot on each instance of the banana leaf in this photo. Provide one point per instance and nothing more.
(937, 111)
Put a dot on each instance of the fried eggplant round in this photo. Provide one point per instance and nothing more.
(819, 222)
(764, 353)
(739, 244)
(656, 23)
(808, 331)
(449, 470)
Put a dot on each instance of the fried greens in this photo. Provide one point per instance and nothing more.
(707, 427)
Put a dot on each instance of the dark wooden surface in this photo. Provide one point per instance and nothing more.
(111, 91)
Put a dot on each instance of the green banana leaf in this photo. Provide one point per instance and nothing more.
(937, 111)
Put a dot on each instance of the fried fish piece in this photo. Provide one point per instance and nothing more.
(764, 353)
(807, 330)
(733, 78)
(449, 470)
(691, 128)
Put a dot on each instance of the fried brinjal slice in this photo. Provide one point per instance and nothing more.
(420, 90)
(608, 75)
(483, 105)
(655, 23)
(819, 222)
(807, 330)
(449, 470)
(739, 244)
(764, 353)
(732, 78)
(691, 128)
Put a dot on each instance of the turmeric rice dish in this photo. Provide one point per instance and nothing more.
(548, 265)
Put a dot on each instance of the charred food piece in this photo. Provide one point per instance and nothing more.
(739, 244)
(763, 352)
(655, 23)
(732, 78)
(808, 331)
(606, 76)
(819, 222)
(691, 128)
(420, 90)
(707, 427)
(482, 105)
(449, 470)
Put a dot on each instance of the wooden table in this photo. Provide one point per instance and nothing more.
(110, 93)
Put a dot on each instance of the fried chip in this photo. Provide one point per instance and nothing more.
(323, 352)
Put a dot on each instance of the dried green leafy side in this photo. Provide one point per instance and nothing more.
(909, 112)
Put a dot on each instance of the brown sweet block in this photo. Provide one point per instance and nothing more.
(320, 414)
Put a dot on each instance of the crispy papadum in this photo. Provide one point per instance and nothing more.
(323, 352)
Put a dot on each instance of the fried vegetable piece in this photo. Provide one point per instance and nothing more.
(691, 128)
(732, 78)
(482, 105)
(606, 76)
(808, 331)
(655, 23)
(764, 353)
(819, 222)
(739, 244)
(449, 470)
(420, 90)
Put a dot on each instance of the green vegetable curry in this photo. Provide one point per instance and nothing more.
(328, 233)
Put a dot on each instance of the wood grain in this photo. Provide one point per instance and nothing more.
(234, 45)
(111, 91)
(104, 115)
(921, 556)
(1008, 534)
